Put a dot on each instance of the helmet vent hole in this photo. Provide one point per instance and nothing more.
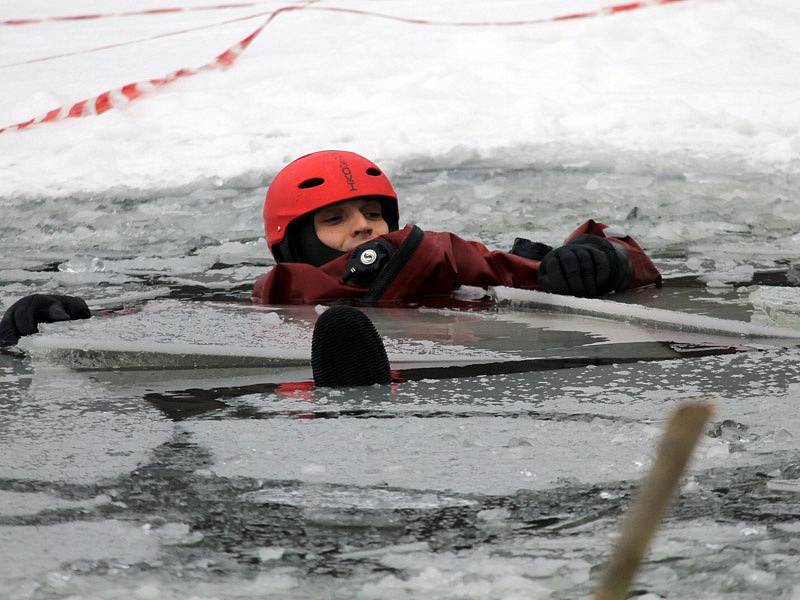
(373, 171)
(309, 183)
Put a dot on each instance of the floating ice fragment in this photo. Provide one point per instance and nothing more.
(691, 485)
(270, 553)
(718, 284)
(776, 304)
(494, 515)
(30, 503)
(468, 292)
(784, 485)
(323, 496)
(82, 264)
(738, 274)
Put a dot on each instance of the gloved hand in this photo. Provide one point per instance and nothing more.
(588, 266)
(22, 317)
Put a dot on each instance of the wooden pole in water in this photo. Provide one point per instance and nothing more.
(683, 432)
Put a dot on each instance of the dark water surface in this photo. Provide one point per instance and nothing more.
(507, 485)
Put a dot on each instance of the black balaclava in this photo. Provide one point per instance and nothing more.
(306, 247)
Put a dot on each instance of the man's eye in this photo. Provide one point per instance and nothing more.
(331, 219)
(373, 214)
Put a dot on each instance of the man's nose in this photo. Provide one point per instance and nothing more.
(360, 223)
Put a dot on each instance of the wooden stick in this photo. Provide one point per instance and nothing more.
(683, 432)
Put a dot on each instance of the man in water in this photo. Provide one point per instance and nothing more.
(331, 222)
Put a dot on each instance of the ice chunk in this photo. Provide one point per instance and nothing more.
(318, 496)
(270, 553)
(778, 305)
(28, 550)
(171, 334)
(784, 485)
(601, 308)
(738, 274)
(25, 503)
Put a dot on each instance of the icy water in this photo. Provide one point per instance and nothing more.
(211, 485)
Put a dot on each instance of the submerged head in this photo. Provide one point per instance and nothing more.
(326, 203)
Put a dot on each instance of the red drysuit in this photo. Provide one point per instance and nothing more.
(441, 263)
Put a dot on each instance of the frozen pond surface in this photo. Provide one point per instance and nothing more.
(223, 484)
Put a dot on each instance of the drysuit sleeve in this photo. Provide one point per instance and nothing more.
(474, 264)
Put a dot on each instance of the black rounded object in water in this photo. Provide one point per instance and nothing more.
(346, 350)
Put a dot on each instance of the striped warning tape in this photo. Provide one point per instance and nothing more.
(132, 91)
(605, 11)
(159, 36)
(133, 13)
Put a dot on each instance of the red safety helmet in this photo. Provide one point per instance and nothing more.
(320, 179)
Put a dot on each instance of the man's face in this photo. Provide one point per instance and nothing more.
(348, 224)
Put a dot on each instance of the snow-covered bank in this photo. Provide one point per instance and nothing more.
(701, 79)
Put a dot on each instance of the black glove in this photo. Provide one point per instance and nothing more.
(588, 266)
(23, 317)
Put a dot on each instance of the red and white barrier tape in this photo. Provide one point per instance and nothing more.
(132, 91)
(132, 13)
(132, 42)
(600, 12)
